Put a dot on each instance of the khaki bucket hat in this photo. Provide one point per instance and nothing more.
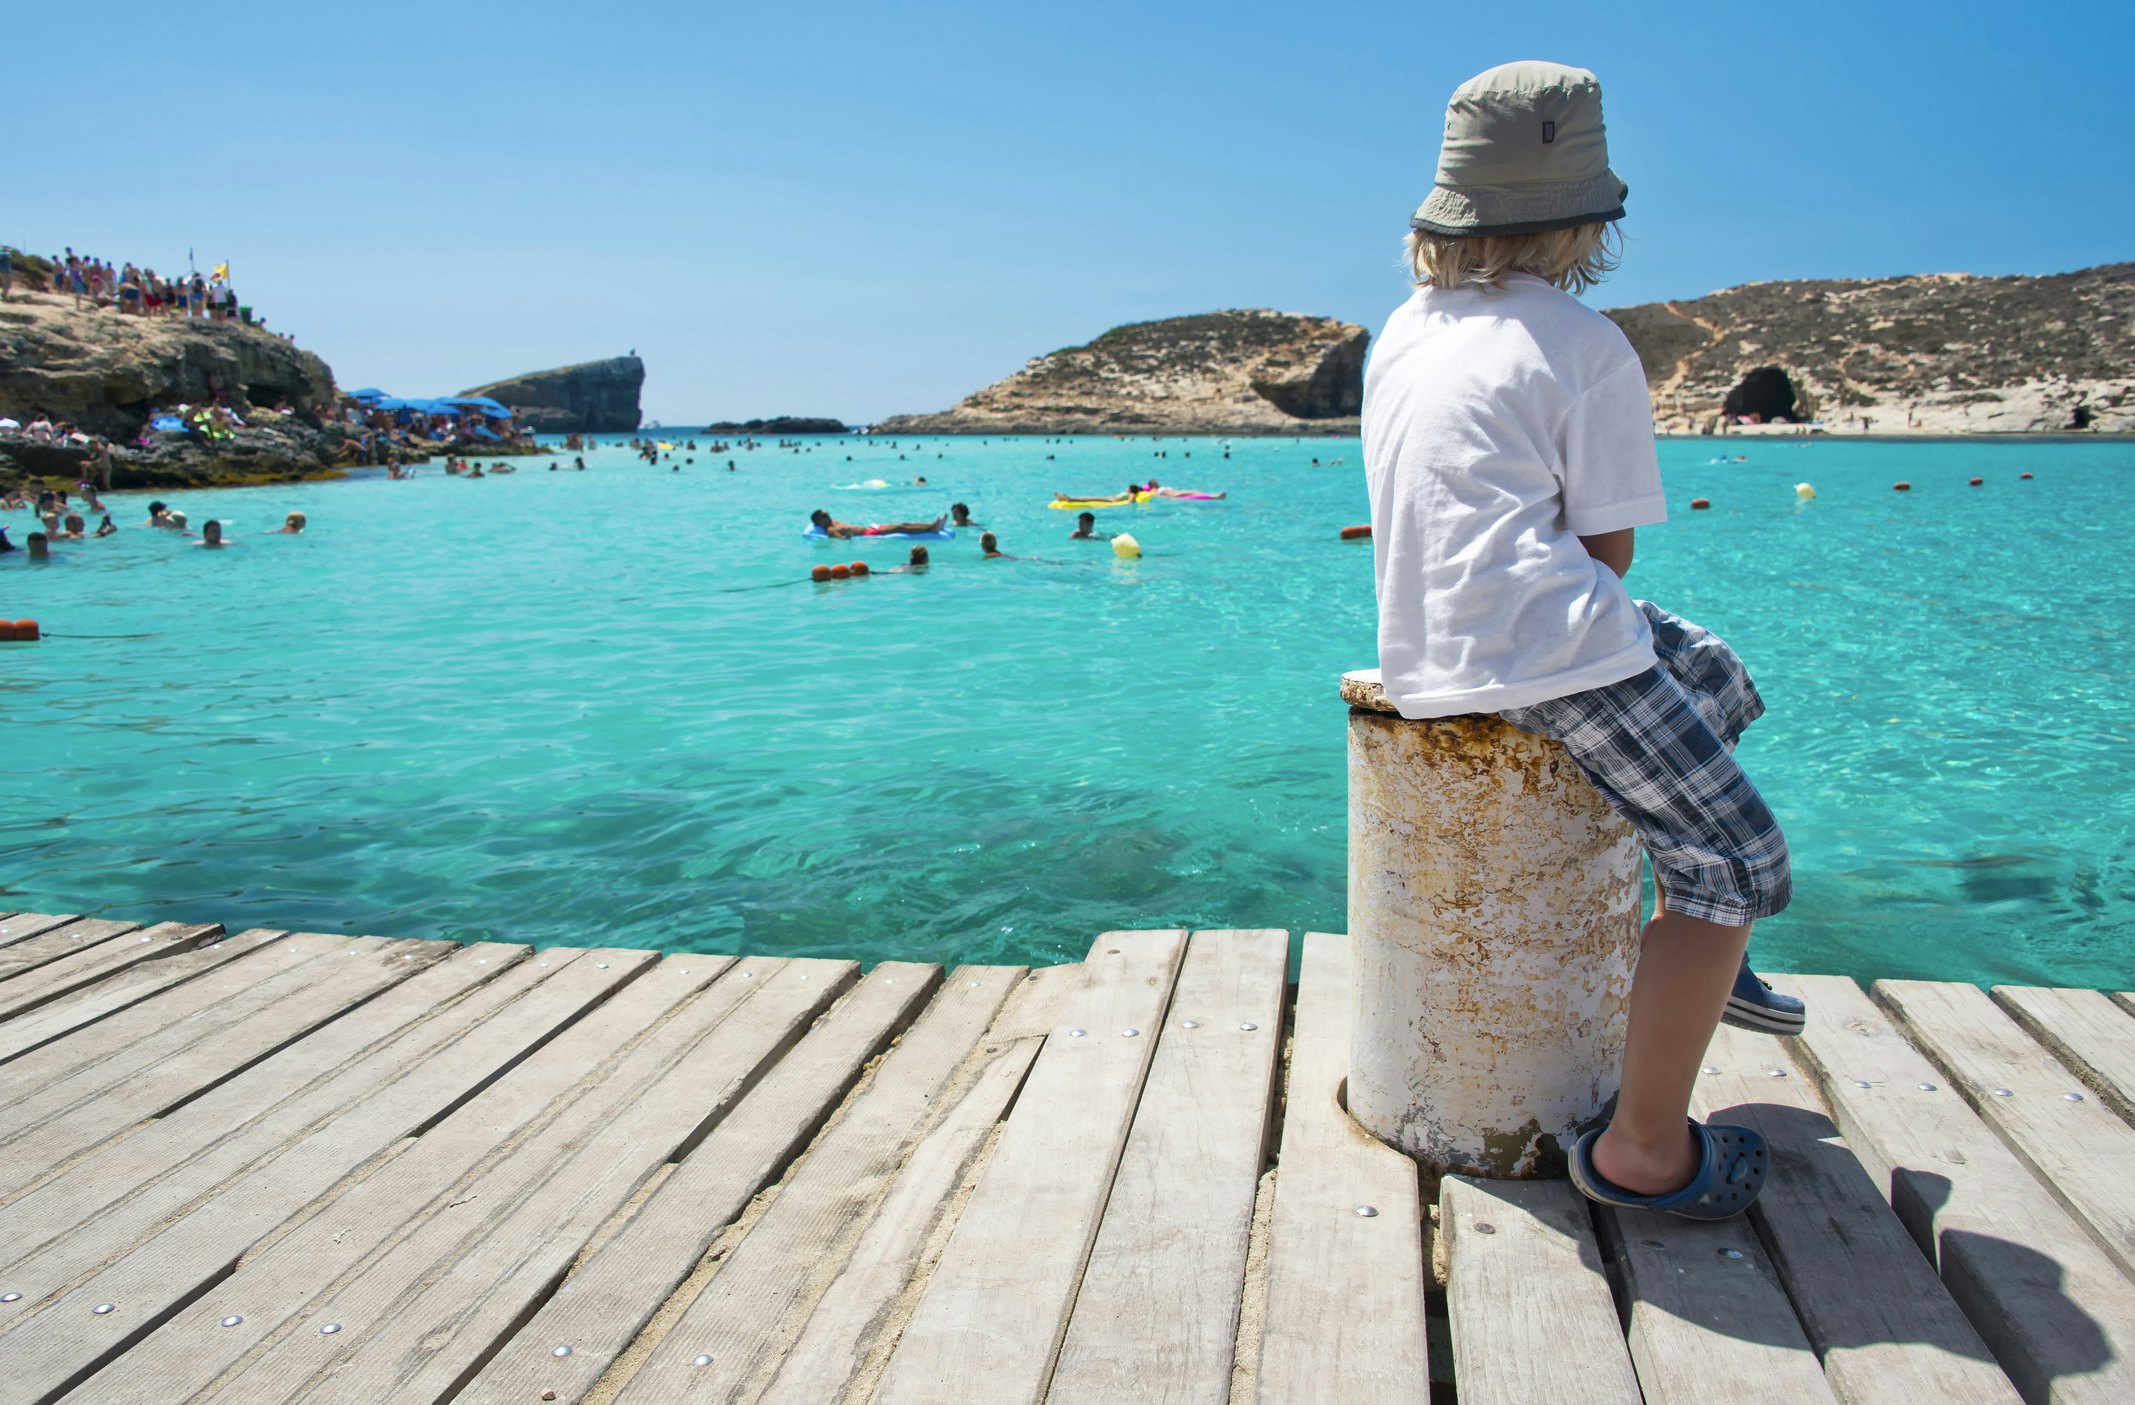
(1524, 152)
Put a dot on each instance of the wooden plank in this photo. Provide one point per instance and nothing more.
(605, 1304)
(424, 1340)
(2085, 1030)
(144, 1081)
(1344, 1317)
(60, 1341)
(767, 1286)
(854, 1325)
(2069, 1139)
(178, 1016)
(99, 962)
(1528, 1300)
(1156, 1318)
(991, 1319)
(2052, 1307)
(52, 944)
(108, 1202)
(1706, 1307)
(20, 926)
(85, 1007)
(1876, 1314)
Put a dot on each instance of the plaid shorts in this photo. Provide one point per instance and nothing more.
(1660, 748)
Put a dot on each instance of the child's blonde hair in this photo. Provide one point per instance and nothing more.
(1574, 259)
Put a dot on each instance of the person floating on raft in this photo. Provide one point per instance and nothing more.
(1157, 490)
(1135, 493)
(831, 527)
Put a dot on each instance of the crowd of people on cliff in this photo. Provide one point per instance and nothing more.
(135, 289)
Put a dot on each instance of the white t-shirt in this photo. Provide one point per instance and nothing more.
(1500, 426)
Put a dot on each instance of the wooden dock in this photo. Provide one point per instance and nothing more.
(296, 1167)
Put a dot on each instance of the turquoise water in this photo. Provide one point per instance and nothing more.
(609, 707)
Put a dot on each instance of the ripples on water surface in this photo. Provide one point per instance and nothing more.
(607, 707)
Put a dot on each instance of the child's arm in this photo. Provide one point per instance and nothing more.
(1611, 549)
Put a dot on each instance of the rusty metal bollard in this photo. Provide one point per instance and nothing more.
(1494, 909)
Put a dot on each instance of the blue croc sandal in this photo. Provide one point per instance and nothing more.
(1731, 1166)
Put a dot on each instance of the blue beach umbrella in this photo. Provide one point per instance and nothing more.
(367, 395)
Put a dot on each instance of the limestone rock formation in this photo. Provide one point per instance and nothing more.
(1237, 372)
(1941, 353)
(777, 425)
(595, 397)
(103, 371)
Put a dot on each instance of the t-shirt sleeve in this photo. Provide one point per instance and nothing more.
(1612, 472)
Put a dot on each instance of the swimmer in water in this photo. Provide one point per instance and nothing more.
(158, 515)
(77, 529)
(291, 526)
(211, 534)
(960, 516)
(831, 527)
(39, 549)
(1086, 529)
(992, 547)
(580, 463)
(916, 564)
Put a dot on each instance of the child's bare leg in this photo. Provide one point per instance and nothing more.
(1686, 967)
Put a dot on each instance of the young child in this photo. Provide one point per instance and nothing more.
(1508, 443)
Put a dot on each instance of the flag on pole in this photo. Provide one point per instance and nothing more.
(222, 270)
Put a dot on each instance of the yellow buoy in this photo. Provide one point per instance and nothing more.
(1804, 491)
(1125, 545)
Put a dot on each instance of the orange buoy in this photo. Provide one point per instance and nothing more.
(1977, 481)
(839, 573)
(1357, 534)
(27, 630)
(1902, 487)
(820, 573)
(859, 568)
(2023, 475)
(1700, 504)
(7, 631)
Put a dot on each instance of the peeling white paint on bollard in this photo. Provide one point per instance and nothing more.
(1494, 908)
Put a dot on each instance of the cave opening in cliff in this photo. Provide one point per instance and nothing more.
(1765, 395)
(2080, 417)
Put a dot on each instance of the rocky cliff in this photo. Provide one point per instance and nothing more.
(1941, 353)
(597, 397)
(1240, 372)
(102, 372)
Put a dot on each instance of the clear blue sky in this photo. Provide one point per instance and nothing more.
(857, 209)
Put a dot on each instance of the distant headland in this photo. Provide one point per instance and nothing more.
(777, 425)
(1239, 372)
(1930, 354)
(594, 397)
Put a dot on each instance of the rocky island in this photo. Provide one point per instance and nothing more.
(778, 425)
(1240, 372)
(1938, 353)
(103, 373)
(594, 397)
